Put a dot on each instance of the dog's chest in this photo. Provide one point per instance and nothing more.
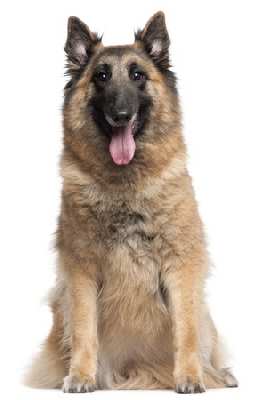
(129, 243)
(120, 223)
(131, 288)
(132, 248)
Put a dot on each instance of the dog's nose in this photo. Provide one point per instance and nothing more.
(121, 117)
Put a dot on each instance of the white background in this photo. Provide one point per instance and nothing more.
(216, 57)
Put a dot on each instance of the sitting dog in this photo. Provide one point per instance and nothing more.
(128, 306)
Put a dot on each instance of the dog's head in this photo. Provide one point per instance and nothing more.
(119, 98)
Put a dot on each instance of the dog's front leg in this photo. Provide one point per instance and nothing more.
(184, 284)
(82, 287)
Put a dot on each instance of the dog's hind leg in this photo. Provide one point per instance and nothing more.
(48, 367)
(223, 375)
(216, 375)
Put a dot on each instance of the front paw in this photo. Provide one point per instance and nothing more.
(75, 384)
(188, 384)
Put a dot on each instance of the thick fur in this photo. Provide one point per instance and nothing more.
(129, 308)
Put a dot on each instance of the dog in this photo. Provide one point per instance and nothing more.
(128, 306)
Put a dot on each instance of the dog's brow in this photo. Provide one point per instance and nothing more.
(102, 65)
(111, 53)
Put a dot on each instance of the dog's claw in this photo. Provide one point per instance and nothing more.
(189, 387)
(72, 385)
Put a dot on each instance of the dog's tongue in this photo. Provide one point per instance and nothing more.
(122, 146)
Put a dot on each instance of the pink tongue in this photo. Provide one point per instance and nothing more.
(122, 146)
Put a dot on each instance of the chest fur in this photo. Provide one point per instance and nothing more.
(114, 221)
(104, 225)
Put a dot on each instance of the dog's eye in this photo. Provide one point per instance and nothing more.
(102, 76)
(137, 76)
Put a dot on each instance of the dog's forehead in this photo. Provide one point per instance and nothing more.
(118, 55)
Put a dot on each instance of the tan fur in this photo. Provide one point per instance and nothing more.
(129, 307)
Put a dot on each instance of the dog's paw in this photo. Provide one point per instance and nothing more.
(185, 385)
(229, 379)
(73, 384)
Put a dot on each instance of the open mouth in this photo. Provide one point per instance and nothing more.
(122, 145)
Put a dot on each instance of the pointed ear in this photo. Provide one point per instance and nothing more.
(80, 44)
(155, 39)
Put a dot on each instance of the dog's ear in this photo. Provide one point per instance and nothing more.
(80, 44)
(156, 40)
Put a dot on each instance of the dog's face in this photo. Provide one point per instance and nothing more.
(120, 104)
(120, 97)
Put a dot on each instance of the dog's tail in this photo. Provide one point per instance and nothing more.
(161, 378)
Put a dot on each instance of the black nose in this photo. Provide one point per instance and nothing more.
(121, 117)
